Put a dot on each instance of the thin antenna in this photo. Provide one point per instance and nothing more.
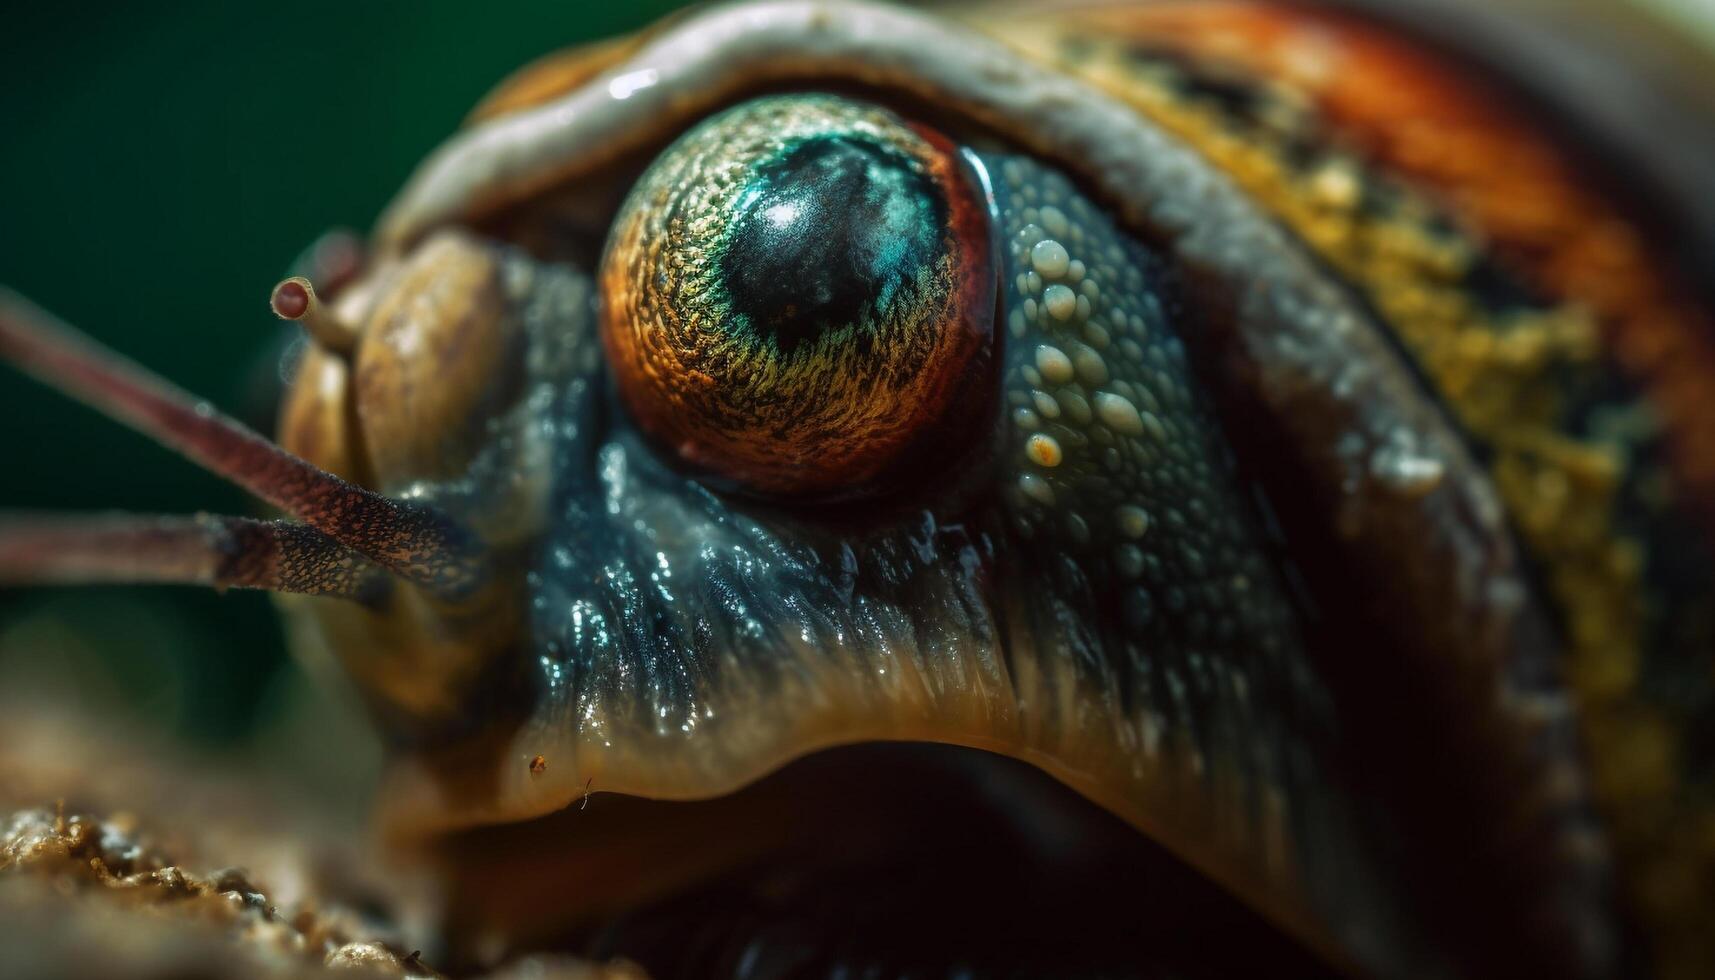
(223, 552)
(414, 540)
(296, 299)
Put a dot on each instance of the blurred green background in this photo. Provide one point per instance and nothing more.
(162, 165)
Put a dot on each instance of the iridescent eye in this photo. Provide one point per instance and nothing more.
(798, 299)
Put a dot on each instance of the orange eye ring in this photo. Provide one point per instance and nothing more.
(798, 300)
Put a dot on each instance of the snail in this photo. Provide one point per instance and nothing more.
(1024, 470)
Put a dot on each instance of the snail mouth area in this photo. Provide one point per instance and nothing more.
(883, 859)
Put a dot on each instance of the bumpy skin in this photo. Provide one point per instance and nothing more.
(1518, 278)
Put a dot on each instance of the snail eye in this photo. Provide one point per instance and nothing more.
(798, 300)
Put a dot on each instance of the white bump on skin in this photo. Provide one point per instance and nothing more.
(1092, 370)
(1078, 529)
(1074, 405)
(1118, 414)
(1060, 302)
(1146, 400)
(1049, 258)
(1054, 220)
(1153, 426)
(1037, 489)
(1043, 450)
(1055, 366)
(1128, 558)
(1133, 521)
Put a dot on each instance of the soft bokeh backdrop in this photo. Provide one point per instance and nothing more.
(162, 165)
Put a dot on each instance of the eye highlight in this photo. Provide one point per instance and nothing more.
(798, 299)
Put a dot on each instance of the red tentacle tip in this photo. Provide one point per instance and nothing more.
(295, 299)
(291, 298)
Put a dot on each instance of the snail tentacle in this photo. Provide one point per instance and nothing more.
(413, 540)
(211, 550)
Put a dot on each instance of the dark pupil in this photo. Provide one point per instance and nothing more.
(827, 234)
